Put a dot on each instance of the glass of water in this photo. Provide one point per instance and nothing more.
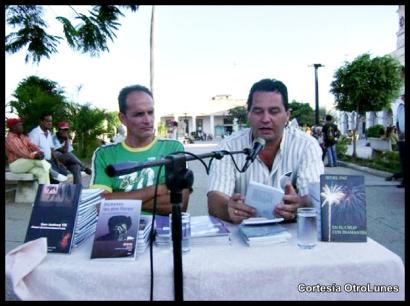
(307, 232)
(186, 231)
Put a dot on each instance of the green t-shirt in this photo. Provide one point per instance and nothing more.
(119, 152)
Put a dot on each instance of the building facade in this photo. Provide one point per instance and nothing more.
(209, 118)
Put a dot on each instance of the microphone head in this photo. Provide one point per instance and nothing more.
(261, 141)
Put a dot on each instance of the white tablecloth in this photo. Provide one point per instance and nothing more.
(222, 272)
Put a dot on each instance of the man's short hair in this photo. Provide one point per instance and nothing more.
(329, 118)
(45, 114)
(269, 85)
(122, 97)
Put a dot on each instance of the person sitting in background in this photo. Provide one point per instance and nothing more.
(287, 149)
(63, 151)
(392, 136)
(41, 136)
(23, 156)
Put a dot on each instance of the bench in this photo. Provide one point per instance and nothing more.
(27, 186)
(380, 145)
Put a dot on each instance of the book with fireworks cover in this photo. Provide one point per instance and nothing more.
(117, 229)
(54, 216)
(343, 208)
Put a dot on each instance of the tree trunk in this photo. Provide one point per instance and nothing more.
(356, 128)
(151, 66)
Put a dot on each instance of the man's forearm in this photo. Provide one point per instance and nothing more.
(218, 205)
(143, 194)
(146, 195)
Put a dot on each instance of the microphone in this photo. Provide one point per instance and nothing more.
(122, 168)
(258, 145)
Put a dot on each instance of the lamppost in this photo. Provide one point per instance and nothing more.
(316, 93)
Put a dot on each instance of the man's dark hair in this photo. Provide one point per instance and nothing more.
(116, 220)
(329, 117)
(43, 115)
(269, 85)
(122, 97)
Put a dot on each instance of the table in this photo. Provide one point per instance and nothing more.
(226, 272)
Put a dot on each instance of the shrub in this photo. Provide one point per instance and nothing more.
(375, 131)
(341, 146)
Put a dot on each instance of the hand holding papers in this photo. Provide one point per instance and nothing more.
(265, 198)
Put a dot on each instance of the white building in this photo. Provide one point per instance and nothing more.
(209, 117)
(387, 117)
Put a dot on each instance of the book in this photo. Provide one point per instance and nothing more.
(264, 197)
(264, 234)
(117, 229)
(87, 215)
(343, 208)
(204, 230)
(54, 216)
(143, 233)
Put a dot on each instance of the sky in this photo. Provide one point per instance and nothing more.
(203, 51)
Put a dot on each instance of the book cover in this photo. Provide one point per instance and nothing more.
(343, 208)
(117, 229)
(54, 216)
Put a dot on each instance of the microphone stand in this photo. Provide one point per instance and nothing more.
(178, 177)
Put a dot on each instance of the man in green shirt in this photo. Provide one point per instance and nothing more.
(141, 145)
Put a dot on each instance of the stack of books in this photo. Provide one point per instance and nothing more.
(87, 213)
(208, 230)
(204, 230)
(143, 233)
(269, 234)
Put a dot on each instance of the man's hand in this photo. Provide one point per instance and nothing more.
(291, 202)
(39, 155)
(238, 210)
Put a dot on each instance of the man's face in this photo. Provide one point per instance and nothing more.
(267, 116)
(63, 133)
(139, 117)
(18, 128)
(47, 122)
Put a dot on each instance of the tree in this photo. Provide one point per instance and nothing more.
(239, 113)
(88, 123)
(303, 112)
(89, 36)
(366, 84)
(34, 96)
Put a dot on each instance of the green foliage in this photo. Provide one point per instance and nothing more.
(303, 113)
(88, 124)
(90, 36)
(341, 146)
(366, 84)
(162, 130)
(375, 131)
(34, 96)
(239, 113)
(386, 161)
(113, 121)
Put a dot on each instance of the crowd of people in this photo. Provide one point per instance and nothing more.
(48, 157)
